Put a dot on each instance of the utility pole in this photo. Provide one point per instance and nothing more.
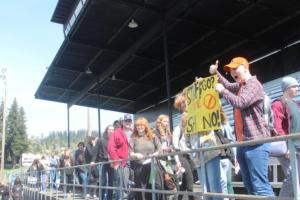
(3, 77)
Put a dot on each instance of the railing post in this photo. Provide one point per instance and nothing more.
(100, 167)
(294, 168)
(153, 178)
(58, 174)
(120, 172)
(51, 184)
(38, 184)
(64, 186)
(203, 173)
(74, 175)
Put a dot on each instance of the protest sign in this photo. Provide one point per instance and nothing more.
(203, 107)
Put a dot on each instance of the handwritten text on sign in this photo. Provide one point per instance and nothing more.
(203, 106)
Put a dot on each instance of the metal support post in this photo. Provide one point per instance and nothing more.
(203, 174)
(68, 121)
(294, 167)
(99, 116)
(74, 175)
(120, 171)
(153, 178)
(166, 53)
(64, 186)
(100, 166)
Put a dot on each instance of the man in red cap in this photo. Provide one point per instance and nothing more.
(246, 96)
(117, 148)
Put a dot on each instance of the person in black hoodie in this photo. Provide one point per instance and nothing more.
(66, 161)
(82, 170)
(90, 152)
(107, 172)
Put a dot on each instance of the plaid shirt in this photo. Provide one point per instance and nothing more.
(250, 102)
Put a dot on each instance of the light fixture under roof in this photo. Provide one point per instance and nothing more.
(113, 77)
(132, 24)
(88, 71)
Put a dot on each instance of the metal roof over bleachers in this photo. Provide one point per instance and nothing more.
(127, 65)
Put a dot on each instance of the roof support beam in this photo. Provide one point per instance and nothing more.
(113, 51)
(216, 28)
(68, 69)
(167, 74)
(91, 94)
(143, 5)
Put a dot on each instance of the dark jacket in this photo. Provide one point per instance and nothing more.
(17, 191)
(101, 150)
(62, 162)
(4, 191)
(90, 152)
(80, 160)
(36, 170)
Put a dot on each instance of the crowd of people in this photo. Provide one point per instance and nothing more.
(137, 141)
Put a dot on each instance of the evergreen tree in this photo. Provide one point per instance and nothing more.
(16, 137)
(21, 142)
(56, 140)
(12, 131)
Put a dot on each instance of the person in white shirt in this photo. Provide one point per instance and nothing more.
(183, 162)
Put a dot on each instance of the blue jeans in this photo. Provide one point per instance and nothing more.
(84, 178)
(213, 177)
(253, 161)
(43, 182)
(124, 173)
(287, 185)
(225, 166)
(52, 177)
(107, 179)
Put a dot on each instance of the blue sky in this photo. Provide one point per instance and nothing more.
(28, 44)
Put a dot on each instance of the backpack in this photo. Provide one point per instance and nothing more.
(268, 113)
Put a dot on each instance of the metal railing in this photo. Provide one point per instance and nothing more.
(32, 190)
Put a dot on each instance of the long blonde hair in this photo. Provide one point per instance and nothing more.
(163, 131)
(148, 132)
